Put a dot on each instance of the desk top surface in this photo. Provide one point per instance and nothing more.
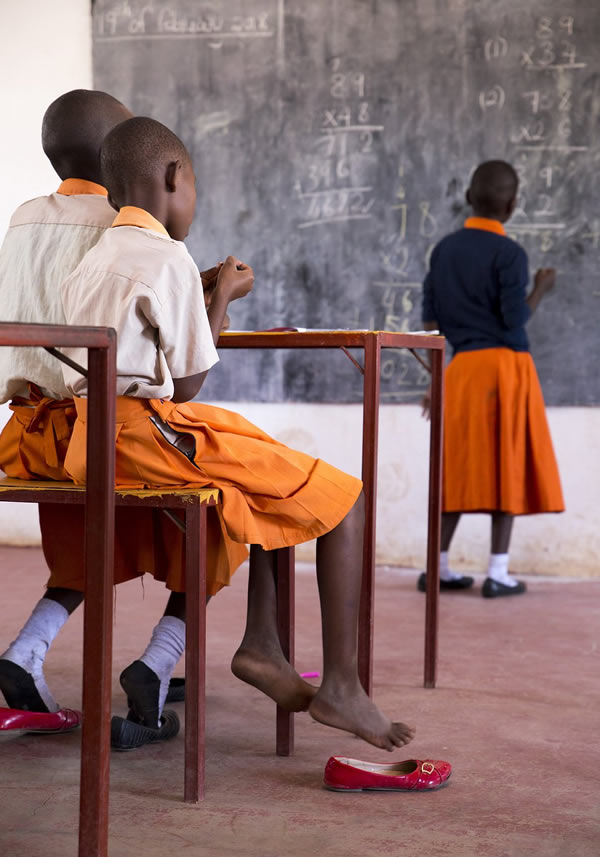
(329, 339)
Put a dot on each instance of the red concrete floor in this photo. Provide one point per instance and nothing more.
(516, 712)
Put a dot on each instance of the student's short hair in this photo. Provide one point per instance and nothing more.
(138, 148)
(74, 127)
(494, 184)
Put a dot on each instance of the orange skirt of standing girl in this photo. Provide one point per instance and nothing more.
(270, 495)
(498, 454)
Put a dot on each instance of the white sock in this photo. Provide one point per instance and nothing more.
(498, 569)
(31, 646)
(445, 572)
(165, 648)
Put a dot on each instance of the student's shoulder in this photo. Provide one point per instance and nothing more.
(510, 250)
(76, 210)
(162, 248)
(448, 242)
(143, 255)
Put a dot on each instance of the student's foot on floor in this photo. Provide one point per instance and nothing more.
(142, 686)
(19, 689)
(275, 677)
(495, 589)
(350, 709)
(455, 584)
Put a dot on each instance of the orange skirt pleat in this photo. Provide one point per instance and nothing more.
(33, 445)
(271, 495)
(498, 453)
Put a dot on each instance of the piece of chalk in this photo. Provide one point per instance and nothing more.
(310, 675)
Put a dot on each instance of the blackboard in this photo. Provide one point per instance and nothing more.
(333, 142)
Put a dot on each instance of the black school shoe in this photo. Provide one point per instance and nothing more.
(142, 686)
(128, 734)
(446, 585)
(176, 691)
(494, 589)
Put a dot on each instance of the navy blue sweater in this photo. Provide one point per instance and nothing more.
(476, 291)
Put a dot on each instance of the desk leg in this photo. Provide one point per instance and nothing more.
(434, 517)
(98, 609)
(369, 476)
(284, 740)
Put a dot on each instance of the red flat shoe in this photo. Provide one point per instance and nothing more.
(352, 775)
(17, 720)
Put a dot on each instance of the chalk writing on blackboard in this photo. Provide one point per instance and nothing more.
(126, 21)
(334, 185)
(333, 149)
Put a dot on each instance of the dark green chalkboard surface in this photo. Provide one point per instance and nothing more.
(333, 141)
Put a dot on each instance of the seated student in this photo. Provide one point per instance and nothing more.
(140, 280)
(498, 455)
(46, 239)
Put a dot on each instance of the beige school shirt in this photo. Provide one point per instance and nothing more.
(47, 238)
(147, 286)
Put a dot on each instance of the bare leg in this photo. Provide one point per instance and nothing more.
(341, 701)
(260, 661)
(70, 599)
(449, 523)
(501, 531)
(176, 605)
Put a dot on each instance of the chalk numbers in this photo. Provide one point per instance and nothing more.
(346, 85)
(544, 135)
(337, 182)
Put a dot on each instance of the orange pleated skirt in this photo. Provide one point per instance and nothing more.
(33, 445)
(498, 453)
(271, 495)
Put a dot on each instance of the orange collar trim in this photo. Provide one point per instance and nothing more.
(73, 187)
(131, 215)
(486, 224)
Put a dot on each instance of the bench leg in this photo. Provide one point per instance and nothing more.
(285, 563)
(195, 653)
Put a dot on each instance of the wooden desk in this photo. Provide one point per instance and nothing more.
(372, 343)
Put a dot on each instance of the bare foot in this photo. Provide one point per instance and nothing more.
(350, 708)
(275, 677)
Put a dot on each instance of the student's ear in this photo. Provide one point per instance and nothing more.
(172, 175)
(510, 207)
(468, 196)
(112, 203)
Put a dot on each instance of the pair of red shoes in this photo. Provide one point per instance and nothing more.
(17, 720)
(353, 775)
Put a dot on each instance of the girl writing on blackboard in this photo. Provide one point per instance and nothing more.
(498, 455)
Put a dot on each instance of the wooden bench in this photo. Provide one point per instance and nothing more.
(187, 510)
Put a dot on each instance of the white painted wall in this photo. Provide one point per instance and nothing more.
(569, 544)
(46, 50)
